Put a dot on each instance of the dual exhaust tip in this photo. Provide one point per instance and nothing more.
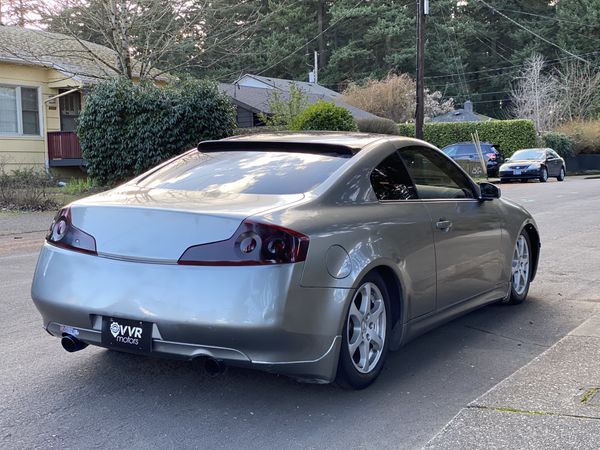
(212, 366)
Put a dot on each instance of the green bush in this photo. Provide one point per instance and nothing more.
(508, 135)
(559, 142)
(379, 126)
(324, 116)
(126, 128)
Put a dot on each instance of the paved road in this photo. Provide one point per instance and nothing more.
(96, 398)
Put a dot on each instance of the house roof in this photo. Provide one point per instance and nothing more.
(257, 99)
(85, 62)
(465, 114)
(285, 85)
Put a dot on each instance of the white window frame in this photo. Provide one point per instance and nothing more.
(19, 133)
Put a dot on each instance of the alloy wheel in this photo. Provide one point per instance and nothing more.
(520, 266)
(366, 327)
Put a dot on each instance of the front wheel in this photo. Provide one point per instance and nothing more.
(365, 338)
(521, 270)
(544, 175)
(561, 175)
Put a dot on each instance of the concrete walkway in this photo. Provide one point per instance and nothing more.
(551, 403)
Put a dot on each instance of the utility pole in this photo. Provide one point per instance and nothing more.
(422, 12)
(316, 67)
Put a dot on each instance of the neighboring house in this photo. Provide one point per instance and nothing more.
(465, 114)
(43, 80)
(251, 95)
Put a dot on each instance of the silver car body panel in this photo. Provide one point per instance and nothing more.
(286, 318)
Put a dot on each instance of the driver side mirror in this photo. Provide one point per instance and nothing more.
(489, 191)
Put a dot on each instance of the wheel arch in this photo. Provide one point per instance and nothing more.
(534, 239)
(394, 285)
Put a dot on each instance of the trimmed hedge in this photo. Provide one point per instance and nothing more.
(324, 116)
(125, 128)
(559, 142)
(508, 135)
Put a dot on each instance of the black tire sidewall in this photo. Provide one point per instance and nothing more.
(347, 375)
(561, 174)
(542, 178)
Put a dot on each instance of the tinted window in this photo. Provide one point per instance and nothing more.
(391, 181)
(533, 153)
(434, 175)
(252, 172)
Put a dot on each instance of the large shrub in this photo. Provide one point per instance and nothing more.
(126, 128)
(324, 116)
(394, 97)
(379, 126)
(585, 135)
(508, 135)
(559, 142)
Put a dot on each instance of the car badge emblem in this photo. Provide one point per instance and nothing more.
(115, 328)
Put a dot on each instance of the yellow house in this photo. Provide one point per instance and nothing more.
(43, 80)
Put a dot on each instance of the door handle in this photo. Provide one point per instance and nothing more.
(444, 225)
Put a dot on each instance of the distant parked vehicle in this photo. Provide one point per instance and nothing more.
(466, 151)
(533, 163)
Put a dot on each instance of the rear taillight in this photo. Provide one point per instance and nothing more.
(491, 156)
(252, 244)
(63, 234)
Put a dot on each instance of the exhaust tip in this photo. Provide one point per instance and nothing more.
(72, 344)
(214, 367)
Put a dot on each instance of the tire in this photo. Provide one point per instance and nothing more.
(520, 266)
(561, 174)
(365, 338)
(544, 175)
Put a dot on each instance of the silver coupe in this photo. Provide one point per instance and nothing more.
(310, 255)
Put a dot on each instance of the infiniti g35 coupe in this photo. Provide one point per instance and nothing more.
(310, 255)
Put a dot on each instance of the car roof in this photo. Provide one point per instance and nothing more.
(469, 143)
(355, 141)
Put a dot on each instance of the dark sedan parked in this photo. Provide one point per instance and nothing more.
(466, 151)
(533, 164)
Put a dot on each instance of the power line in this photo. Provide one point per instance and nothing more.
(493, 69)
(308, 42)
(533, 32)
(549, 18)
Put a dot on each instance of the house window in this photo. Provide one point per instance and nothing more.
(19, 111)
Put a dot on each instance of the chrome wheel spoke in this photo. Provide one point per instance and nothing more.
(377, 341)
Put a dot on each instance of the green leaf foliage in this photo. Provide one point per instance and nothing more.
(559, 142)
(507, 135)
(127, 128)
(324, 116)
(378, 126)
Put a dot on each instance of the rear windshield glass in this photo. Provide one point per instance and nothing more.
(531, 153)
(465, 149)
(251, 172)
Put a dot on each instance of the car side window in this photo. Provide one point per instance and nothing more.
(391, 181)
(553, 154)
(434, 175)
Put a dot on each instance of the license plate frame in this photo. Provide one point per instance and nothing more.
(516, 172)
(127, 334)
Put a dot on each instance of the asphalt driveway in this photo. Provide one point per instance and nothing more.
(96, 398)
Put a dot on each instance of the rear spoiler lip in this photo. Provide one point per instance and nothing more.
(316, 148)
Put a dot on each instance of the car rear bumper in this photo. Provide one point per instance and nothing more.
(258, 316)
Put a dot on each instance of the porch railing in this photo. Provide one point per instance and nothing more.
(64, 146)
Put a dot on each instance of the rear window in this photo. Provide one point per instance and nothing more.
(241, 172)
